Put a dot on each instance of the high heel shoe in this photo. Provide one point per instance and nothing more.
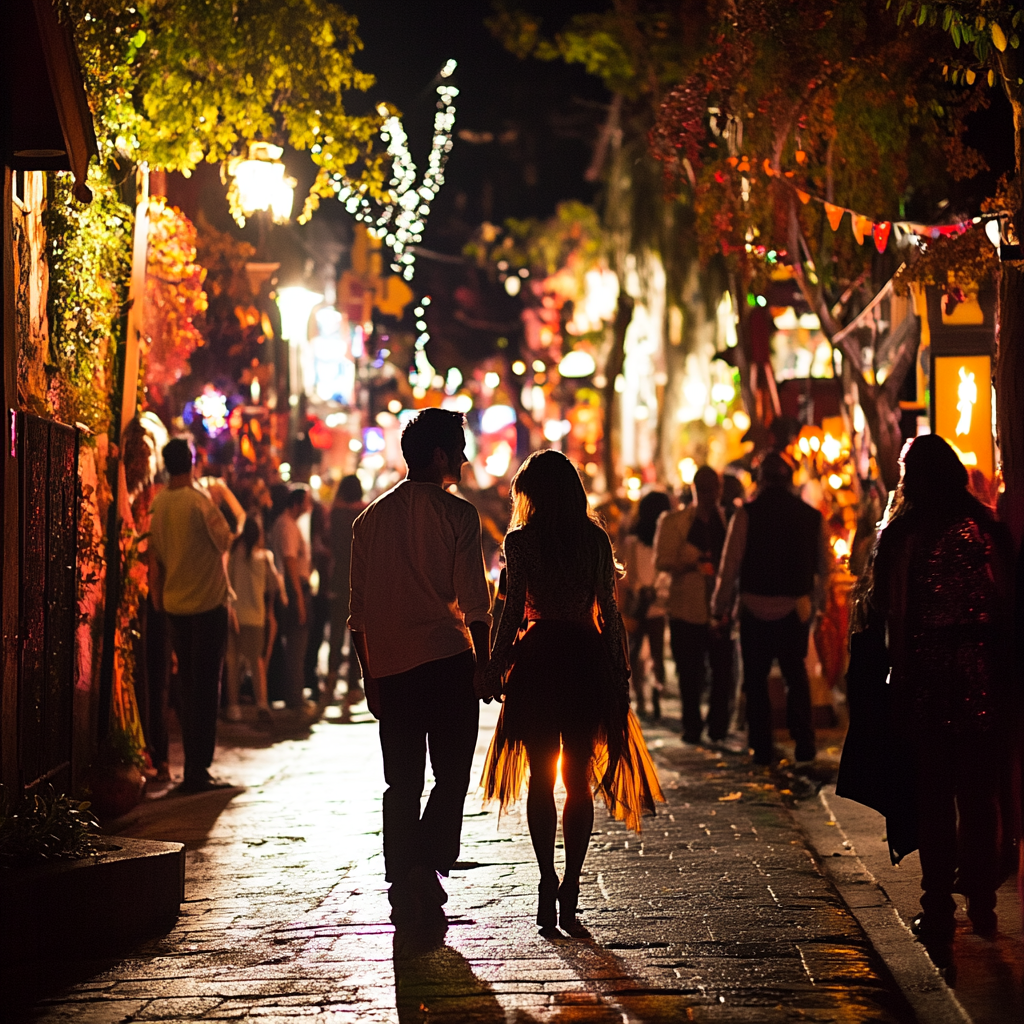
(547, 893)
(568, 902)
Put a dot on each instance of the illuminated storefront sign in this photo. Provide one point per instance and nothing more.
(963, 407)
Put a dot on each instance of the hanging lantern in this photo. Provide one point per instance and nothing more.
(260, 183)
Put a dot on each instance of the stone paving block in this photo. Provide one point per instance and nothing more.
(287, 912)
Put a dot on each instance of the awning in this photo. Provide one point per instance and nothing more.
(47, 122)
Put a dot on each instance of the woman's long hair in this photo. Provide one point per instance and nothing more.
(932, 494)
(648, 513)
(251, 535)
(548, 498)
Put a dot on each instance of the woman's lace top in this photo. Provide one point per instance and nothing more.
(952, 626)
(538, 588)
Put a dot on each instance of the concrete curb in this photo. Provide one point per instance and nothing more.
(932, 1001)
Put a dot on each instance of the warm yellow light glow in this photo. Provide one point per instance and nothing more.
(498, 461)
(519, 367)
(840, 547)
(395, 406)
(687, 470)
(814, 442)
(315, 482)
(492, 380)
(831, 448)
(804, 445)
(967, 396)
(261, 182)
(835, 481)
(741, 420)
(577, 363)
(539, 366)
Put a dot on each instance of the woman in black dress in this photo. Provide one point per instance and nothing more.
(559, 659)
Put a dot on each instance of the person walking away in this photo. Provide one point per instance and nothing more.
(942, 585)
(566, 682)
(320, 605)
(348, 504)
(419, 615)
(291, 552)
(645, 609)
(187, 577)
(777, 554)
(255, 583)
(688, 545)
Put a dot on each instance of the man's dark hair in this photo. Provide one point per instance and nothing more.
(297, 495)
(178, 457)
(350, 489)
(705, 478)
(774, 471)
(430, 429)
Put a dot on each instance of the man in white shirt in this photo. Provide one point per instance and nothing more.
(292, 554)
(188, 579)
(419, 614)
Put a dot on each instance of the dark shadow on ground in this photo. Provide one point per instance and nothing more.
(440, 986)
(175, 819)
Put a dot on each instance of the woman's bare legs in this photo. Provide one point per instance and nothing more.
(541, 815)
(578, 813)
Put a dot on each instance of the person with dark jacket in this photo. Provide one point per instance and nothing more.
(941, 583)
(777, 556)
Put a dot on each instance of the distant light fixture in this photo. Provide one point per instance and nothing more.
(496, 417)
(296, 303)
(577, 363)
(260, 183)
(492, 379)
(519, 367)
(512, 285)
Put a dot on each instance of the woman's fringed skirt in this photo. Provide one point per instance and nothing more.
(561, 685)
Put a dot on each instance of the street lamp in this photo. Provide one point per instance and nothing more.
(259, 183)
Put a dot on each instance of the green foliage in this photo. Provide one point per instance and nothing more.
(89, 250)
(175, 82)
(44, 826)
(545, 246)
(815, 95)
(982, 26)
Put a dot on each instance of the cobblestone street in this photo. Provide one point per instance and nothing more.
(716, 913)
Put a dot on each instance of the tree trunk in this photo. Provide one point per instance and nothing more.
(613, 367)
(1009, 375)
(1009, 381)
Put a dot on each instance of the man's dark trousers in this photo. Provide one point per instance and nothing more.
(690, 644)
(199, 642)
(761, 641)
(432, 705)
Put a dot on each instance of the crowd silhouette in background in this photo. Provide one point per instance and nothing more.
(399, 592)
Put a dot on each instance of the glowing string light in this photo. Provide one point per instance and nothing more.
(402, 218)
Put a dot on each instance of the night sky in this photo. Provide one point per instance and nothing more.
(543, 116)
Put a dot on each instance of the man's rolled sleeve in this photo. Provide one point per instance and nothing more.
(357, 582)
(470, 576)
(217, 527)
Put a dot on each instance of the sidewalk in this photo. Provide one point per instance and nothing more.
(716, 913)
(990, 975)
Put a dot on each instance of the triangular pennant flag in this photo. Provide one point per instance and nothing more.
(861, 227)
(804, 197)
(880, 233)
(835, 215)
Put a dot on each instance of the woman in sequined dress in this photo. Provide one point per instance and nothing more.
(942, 585)
(559, 661)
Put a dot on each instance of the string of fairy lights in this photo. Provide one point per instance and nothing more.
(401, 221)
